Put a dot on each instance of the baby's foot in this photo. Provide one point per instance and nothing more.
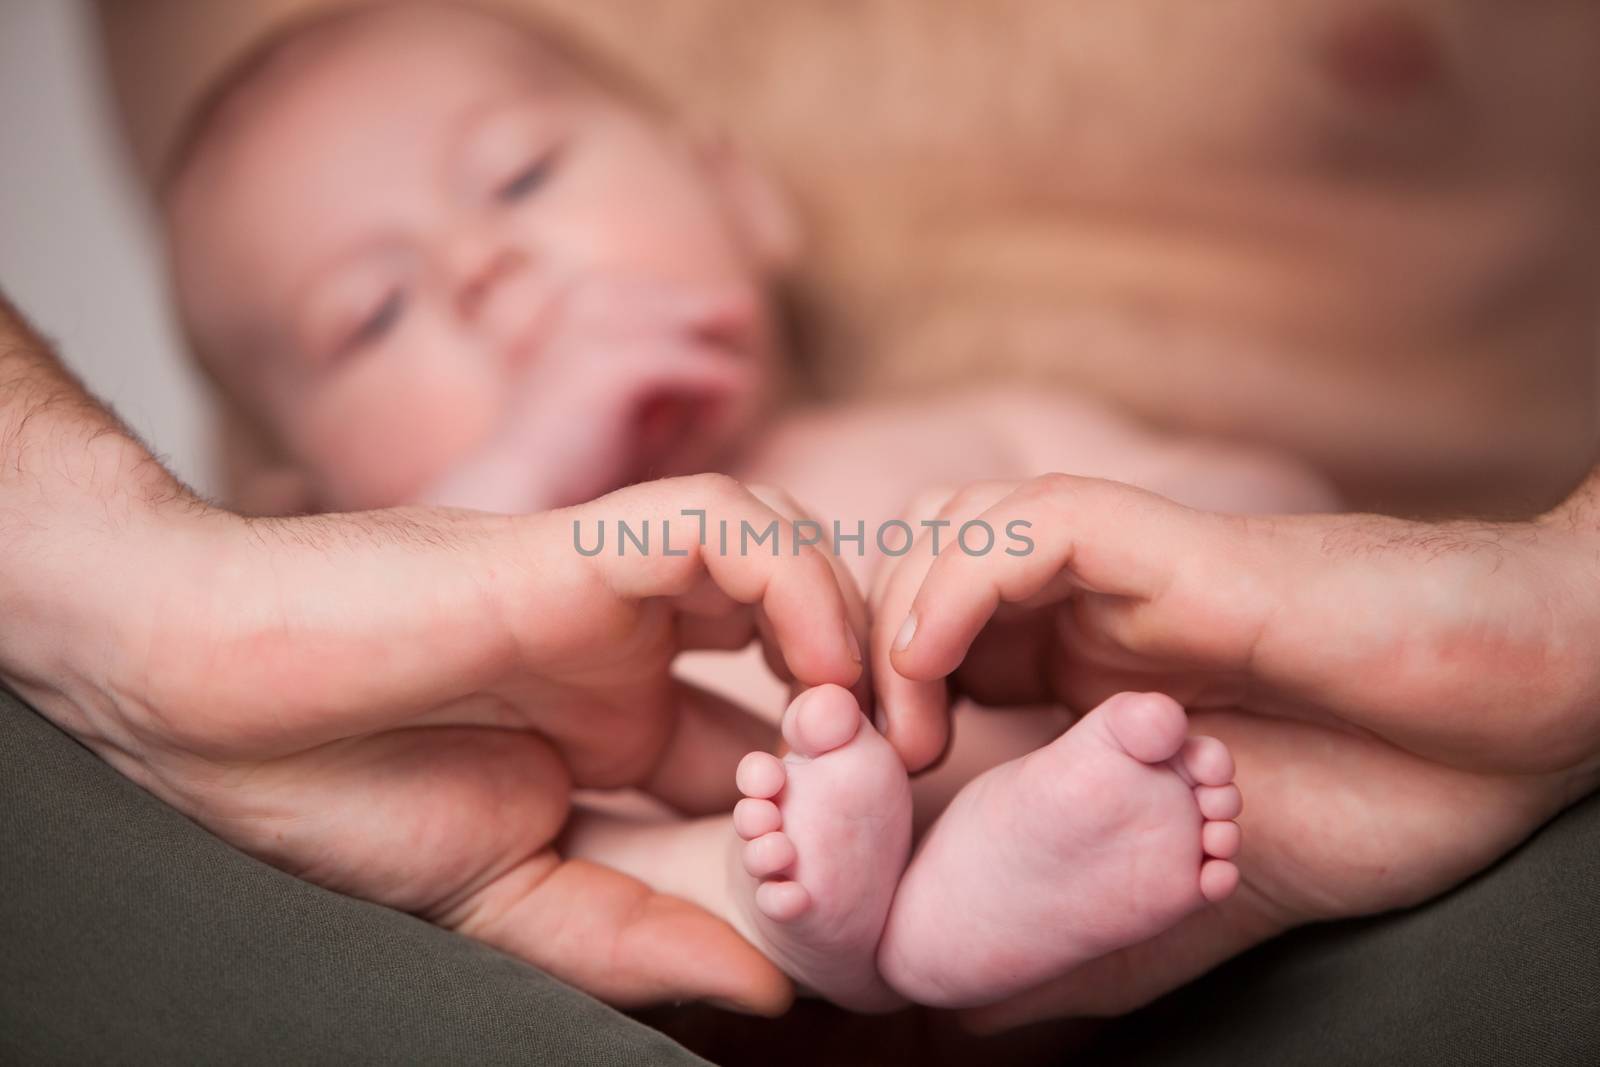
(1105, 837)
(825, 834)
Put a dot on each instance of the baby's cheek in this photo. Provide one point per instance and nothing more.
(379, 440)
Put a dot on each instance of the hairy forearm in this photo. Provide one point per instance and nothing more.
(74, 485)
(59, 447)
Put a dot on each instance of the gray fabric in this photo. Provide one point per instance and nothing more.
(128, 934)
(1503, 970)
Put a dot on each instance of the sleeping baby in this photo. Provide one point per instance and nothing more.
(428, 255)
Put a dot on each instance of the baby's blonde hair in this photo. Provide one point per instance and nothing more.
(269, 57)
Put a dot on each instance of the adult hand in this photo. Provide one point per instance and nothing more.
(1405, 701)
(1464, 642)
(395, 704)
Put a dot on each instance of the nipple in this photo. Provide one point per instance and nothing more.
(1382, 56)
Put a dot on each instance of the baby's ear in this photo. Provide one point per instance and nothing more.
(760, 207)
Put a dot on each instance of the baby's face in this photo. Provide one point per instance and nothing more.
(426, 231)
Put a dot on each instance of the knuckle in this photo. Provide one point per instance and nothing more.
(716, 487)
(1052, 484)
(977, 497)
(777, 499)
(816, 568)
(963, 503)
(1058, 495)
(932, 500)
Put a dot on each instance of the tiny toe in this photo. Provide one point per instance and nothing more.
(782, 901)
(1208, 761)
(1220, 839)
(1218, 880)
(821, 719)
(760, 775)
(769, 854)
(1150, 727)
(1219, 801)
(754, 816)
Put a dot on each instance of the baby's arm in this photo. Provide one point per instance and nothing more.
(1059, 431)
(861, 464)
(885, 453)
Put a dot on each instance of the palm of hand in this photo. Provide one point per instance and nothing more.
(397, 706)
(415, 803)
(1360, 668)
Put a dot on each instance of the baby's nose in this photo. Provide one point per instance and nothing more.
(483, 271)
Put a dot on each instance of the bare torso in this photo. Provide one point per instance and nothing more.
(1364, 233)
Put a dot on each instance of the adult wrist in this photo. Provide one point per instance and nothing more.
(83, 552)
(82, 510)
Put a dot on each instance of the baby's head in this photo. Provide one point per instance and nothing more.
(400, 233)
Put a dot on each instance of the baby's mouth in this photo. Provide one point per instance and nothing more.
(666, 426)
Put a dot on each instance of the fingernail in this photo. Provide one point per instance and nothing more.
(908, 630)
(851, 642)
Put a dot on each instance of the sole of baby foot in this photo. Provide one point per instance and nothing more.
(822, 837)
(1340, 824)
(1107, 836)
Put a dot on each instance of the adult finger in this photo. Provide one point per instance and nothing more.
(616, 938)
(914, 713)
(1060, 533)
(710, 735)
(855, 604)
(754, 556)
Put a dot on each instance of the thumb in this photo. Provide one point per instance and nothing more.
(1076, 534)
(621, 941)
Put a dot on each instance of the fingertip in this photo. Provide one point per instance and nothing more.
(931, 644)
(920, 751)
(768, 1001)
(753, 987)
(916, 721)
(909, 663)
(822, 662)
